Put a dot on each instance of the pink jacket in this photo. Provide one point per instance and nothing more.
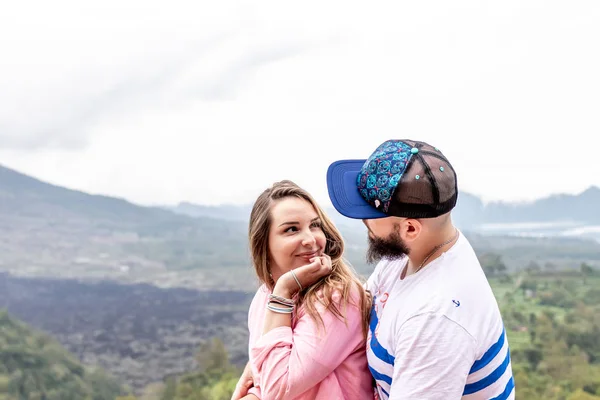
(307, 361)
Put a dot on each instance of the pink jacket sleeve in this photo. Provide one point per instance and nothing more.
(255, 391)
(285, 362)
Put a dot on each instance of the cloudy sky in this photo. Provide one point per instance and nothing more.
(212, 101)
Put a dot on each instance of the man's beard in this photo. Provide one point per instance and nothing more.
(392, 247)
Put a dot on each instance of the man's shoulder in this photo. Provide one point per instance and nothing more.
(387, 266)
(464, 296)
(384, 269)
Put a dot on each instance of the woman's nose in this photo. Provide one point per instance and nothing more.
(308, 239)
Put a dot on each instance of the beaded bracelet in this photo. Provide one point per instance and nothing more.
(278, 303)
(282, 300)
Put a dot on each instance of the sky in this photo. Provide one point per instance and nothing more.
(210, 102)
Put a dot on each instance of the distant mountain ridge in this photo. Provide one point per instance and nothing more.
(580, 208)
(470, 213)
(24, 195)
(48, 230)
(227, 211)
(21, 194)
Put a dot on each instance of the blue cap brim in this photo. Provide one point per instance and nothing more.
(346, 199)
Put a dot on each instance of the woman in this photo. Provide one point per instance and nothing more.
(308, 321)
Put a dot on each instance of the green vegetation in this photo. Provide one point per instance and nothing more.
(548, 289)
(553, 328)
(34, 367)
(552, 318)
(214, 379)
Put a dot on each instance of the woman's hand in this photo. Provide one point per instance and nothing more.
(319, 267)
(244, 384)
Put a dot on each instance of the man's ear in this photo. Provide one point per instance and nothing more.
(410, 229)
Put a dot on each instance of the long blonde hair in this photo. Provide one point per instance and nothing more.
(342, 276)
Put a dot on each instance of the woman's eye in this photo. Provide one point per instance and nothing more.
(316, 225)
(291, 229)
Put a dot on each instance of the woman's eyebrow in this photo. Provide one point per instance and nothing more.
(298, 223)
(290, 223)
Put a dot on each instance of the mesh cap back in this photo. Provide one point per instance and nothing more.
(407, 178)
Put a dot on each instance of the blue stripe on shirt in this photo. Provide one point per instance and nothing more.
(507, 390)
(490, 354)
(384, 392)
(488, 380)
(378, 350)
(381, 377)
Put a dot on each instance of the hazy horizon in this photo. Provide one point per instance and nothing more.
(211, 103)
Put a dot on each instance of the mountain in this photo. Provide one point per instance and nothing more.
(35, 366)
(22, 195)
(580, 208)
(561, 215)
(50, 230)
(470, 213)
(138, 332)
(241, 213)
(227, 212)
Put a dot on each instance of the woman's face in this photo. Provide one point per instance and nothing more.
(295, 236)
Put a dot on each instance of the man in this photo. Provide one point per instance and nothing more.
(436, 331)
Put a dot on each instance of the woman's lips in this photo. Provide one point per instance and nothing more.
(308, 255)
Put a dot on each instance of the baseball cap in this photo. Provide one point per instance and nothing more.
(401, 178)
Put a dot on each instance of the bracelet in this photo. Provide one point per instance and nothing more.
(280, 310)
(282, 300)
(296, 278)
(278, 303)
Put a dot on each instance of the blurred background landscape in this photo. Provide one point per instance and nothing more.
(135, 136)
(104, 298)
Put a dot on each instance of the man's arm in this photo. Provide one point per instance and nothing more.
(433, 357)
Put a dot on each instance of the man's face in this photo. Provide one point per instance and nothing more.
(385, 240)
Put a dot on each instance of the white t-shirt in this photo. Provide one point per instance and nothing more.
(438, 334)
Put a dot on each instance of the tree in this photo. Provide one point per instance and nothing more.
(581, 395)
(223, 389)
(586, 271)
(528, 286)
(215, 378)
(170, 389)
(34, 366)
(492, 264)
(550, 267)
(533, 268)
(153, 391)
(213, 359)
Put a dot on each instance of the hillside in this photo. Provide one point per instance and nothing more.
(51, 231)
(144, 334)
(47, 230)
(34, 366)
(471, 213)
(556, 211)
(140, 333)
